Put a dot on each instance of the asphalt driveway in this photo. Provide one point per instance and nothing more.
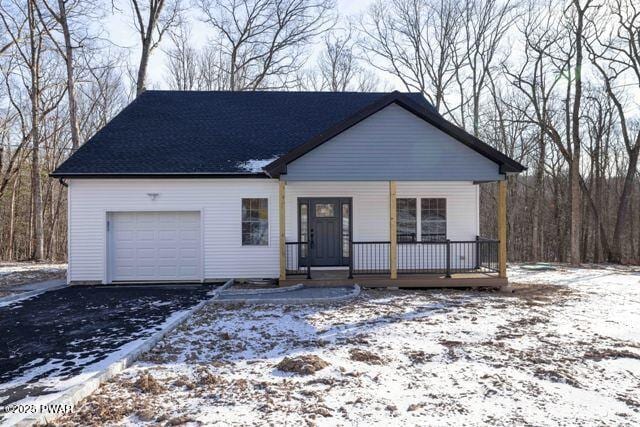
(59, 334)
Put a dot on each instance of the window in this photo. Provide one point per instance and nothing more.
(325, 210)
(346, 230)
(304, 228)
(406, 220)
(255, 222)
(434, 220)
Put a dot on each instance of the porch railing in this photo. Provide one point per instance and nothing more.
(443, 257)
(369, 258)
(296, 259)
(487, 254)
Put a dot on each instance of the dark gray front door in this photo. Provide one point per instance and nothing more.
(329, 226)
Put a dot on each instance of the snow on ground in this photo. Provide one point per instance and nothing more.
(563, 349)
(51, 387)
(18, 273)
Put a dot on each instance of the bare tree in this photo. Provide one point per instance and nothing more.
(152, 19)
(62, 12)
(485, 24)
(617, 59)
(264, 42)
(24, 18)
(575, 147)
(212, 66)
(337, 68)
(415, 41)
(182, 60)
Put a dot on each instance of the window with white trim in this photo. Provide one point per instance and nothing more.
(433, 214)
(255, 222)
(406, 220)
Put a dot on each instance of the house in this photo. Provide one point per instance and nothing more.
(376, 188)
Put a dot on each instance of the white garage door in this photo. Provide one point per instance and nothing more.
(155, 246)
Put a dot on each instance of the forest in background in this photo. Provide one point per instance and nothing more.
(553, 84)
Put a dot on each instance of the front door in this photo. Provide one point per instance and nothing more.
(329, 230)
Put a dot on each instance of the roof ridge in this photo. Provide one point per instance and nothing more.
(280, 92)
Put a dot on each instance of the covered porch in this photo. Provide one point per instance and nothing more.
(371, 253)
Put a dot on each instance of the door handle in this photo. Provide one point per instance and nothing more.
(311, 238)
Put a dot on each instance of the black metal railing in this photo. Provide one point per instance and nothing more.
(422, 257)
(438, 257)
(369, 258)
(487, 254)
(296, 259)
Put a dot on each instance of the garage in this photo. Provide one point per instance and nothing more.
(154, 246)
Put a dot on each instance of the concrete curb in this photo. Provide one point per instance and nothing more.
(75, 394)
(292, 301)
(11, 299)
(261, 291)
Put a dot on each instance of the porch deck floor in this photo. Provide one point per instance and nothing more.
(341, 278)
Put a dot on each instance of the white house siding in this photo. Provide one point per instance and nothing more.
(218, 200)
(463, 224)
(463, 211)
(370, 204)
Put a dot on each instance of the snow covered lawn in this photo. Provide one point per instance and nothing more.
(563, 349)
(18, 273)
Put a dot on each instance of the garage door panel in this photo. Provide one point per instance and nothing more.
(186, 271)
(155, 246)
(170, 253)
(167, 271)
(190, 235)
(187, 254)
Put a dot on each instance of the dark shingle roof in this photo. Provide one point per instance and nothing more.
(171, 132)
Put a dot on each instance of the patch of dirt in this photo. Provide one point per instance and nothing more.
(419, 357)
(610, 353)
(416, 406)
(207, 378)
(303, 365)
(557, 375)
(540, 294)
(108, 410)
(365, 356)
(180, 420)
(146, 383)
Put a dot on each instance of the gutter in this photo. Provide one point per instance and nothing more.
(161, 175)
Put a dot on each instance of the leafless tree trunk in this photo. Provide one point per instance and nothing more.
(152, 20)
(61, 16)
(574, 168)
(12, 220)
(35, 46)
